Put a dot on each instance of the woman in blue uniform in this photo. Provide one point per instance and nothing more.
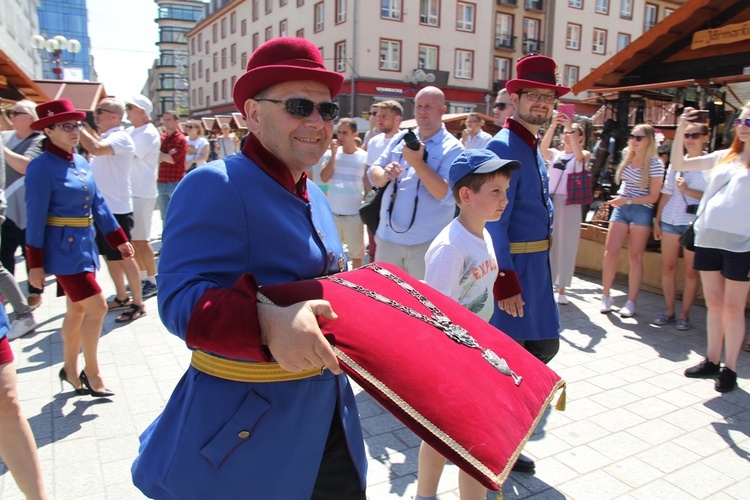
(62, 204)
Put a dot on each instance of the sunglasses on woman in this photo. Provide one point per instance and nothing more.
(637, 138)
(302, 108)
(745, 122)
(68, 127)
(693, 135)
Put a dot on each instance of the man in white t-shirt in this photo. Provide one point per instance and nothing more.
(344, 171)
(145, 170)
(389, 115)
(111, 164)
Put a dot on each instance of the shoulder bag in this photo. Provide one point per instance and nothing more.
(369, 210)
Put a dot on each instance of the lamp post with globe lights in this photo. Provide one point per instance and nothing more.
(56, 47)
(418, 76)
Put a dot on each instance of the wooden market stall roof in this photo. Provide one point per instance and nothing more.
(84, 95)
(703, 42)
(16, 85)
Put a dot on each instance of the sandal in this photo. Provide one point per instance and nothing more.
(133, 313)
(115, 304)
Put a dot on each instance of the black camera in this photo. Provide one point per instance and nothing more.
(691, 209)
(412, 142)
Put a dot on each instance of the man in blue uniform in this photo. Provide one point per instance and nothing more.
(527, 311)
(263, 411)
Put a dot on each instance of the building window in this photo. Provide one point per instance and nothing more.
(390, 55)
(503, 31)
(269, 6)
(573, 37)
(192, 46)
(340, 11)
(575, 4)
(571, 75)
(215, 32)
(243, 27)
(193, 96)
(600, 41)
(269, 34)
(623, 40)
(464, 64)
(255, 10)
(178, 12)
(256, 41)
(223, 28)
(626, 9)
(207, 47)
(340, 55)
(193, 72)
(233, 22)
(650, 17)
(429, 12)
(283, 28)
(224, 89)
(602, 7)
(200, 68)
(465, 16)
(531, 41)
(282, 3)
(200, 96)
(208, 75)
(390, 9)
(300, 33)
(224, 58)
(243, 60)
(233, 54)
(667, 13)
(216, 90)
(216, 61)
(200, 41)
(501, 68)
(428, 57)
(534, 5)
(319, 20)
(232, 82)
(168, 81)
(300, 3)
(174, 35)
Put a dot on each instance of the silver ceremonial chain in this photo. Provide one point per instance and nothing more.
(456, 333)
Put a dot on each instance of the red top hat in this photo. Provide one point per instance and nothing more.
(58, 111)
(536, 72)
(283, 59)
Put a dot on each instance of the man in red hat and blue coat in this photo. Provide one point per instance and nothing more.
(263, 411)
(527, 311)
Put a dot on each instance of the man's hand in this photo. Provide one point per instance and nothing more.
(414, 157)
(126, 250)
(512, 305)
(294, 338)
(392, 170)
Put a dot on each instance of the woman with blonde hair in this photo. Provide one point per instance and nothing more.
(722, 246)
(640, 175)
(677, 208)
(198, 147)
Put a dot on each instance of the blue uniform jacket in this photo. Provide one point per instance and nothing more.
(226, 219)
(61, 188)
(528, 217)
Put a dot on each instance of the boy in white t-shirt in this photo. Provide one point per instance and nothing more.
(461, 264)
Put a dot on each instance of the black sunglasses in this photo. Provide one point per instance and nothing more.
(16, 113)
(100, 110)
(693, 135)
(68, 127)
(302, 108)
(745, 122)
(500, 105)
(638, 138)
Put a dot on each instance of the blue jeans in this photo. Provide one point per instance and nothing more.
(637, 215)
(165, 193)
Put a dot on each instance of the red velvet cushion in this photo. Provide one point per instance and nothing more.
(443, 391)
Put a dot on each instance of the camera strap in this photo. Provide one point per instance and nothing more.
(393, 202)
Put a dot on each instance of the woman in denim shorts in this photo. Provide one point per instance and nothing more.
(641, 175)
(722, 247)
(677, 208)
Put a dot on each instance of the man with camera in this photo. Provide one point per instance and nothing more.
(417, 203)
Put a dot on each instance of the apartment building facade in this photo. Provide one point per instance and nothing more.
(385, 50)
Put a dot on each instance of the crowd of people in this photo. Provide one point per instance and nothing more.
(472, 216)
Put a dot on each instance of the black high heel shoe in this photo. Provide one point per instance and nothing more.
(64, 378)
(97, 394)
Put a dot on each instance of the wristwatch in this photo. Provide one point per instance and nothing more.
(630, 201)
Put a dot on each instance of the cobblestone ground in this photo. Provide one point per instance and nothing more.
(634, 427)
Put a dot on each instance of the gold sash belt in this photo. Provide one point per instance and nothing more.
(69, 221)
(529, 246)
(240, 371)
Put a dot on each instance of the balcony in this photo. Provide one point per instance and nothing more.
(505, 42)
(509, 3)
(534, 5)
(532, 45)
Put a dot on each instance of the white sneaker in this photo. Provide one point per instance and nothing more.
(562, 299)
(21, 327)
(606, 304)
(628, 310)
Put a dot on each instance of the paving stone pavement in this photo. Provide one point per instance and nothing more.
(634, 428)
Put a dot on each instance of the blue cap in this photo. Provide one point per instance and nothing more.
(477, 161)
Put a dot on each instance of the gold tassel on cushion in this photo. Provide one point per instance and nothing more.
(500, 494)
(562, 400)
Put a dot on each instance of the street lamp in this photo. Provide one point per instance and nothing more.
(418, 76)
(56, 46)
